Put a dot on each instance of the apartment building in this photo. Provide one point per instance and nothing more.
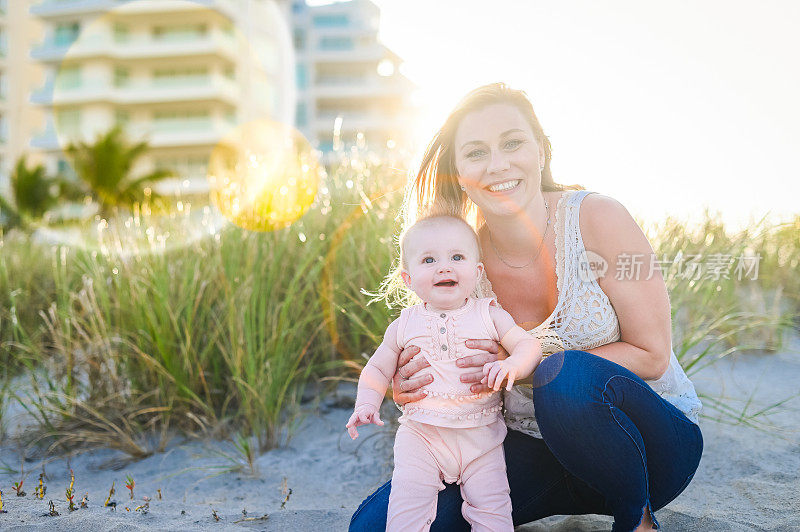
(179, 73)
(18, 77)
(348, 82)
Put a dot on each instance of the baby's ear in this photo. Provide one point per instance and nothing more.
(406, 278)
(480, 270)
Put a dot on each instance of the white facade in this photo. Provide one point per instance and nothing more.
(179, 73)
(348, 82)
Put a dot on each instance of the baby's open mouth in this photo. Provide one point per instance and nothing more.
(446, 283)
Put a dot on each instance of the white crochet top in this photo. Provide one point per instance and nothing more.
(582, 319)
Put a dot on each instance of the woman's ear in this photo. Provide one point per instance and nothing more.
(406, 278)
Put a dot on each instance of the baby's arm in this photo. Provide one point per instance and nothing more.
(374, 381)
(525, 352)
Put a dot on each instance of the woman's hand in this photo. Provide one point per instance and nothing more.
(406, 387)
(494, 352)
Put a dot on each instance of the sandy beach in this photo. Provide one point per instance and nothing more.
(748, 478)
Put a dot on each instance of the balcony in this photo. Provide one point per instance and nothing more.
(359, 87)
(57, 8)
(61, 8)
(359, 54)
(175, 133)
(214, 88)
(214, 43)
(180, 133)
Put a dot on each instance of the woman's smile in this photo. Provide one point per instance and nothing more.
(504, 186)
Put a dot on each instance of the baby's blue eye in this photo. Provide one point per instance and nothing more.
(428, 260)
(458, 256)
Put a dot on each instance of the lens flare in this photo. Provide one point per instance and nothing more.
(263, 176)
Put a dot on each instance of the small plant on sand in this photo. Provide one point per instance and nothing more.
(214, 515)
(144, 508)
(1, 503)
(18, 488)
(71, 492)
(41, 489)
(53, 512)
(85, 500)
(130, 483)
(109, 502)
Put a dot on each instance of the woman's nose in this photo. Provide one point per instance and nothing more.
(498, 162)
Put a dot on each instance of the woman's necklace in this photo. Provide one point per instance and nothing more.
(541, 244)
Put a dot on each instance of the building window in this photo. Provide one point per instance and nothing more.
(3, 43)
(121, 33)
(170, 77)
(3, 87)
(68, 121)
(66, 33)
(3, 129)
(180, 120)
(299, 40)
(336, 43)
(335, 20)
(183, 32)
(301, 76)
(121, 76)
(301, 115)
(121, 118)
(68, 77)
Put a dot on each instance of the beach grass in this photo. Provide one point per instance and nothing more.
(171, 319)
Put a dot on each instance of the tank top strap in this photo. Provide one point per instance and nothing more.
(569, 242)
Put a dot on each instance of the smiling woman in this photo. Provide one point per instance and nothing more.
(608, 423)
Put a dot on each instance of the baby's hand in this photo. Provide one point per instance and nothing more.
(365, 415)
(495, 372)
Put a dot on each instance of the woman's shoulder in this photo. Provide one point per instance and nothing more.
(606, 224)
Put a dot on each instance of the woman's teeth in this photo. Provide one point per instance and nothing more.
(508, 185)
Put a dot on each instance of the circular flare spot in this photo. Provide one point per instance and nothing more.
(263, 176)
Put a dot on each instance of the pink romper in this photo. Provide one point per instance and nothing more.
(452, 434)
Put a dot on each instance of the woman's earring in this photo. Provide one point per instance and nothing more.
(541, 168)
(463, 188)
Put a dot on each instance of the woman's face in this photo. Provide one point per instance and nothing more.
(498, 159)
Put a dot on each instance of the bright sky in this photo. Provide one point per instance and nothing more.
(667, 106)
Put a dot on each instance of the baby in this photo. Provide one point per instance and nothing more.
(452, 434)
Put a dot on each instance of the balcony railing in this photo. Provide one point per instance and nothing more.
(215, 42)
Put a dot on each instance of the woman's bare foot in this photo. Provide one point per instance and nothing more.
(647, 521)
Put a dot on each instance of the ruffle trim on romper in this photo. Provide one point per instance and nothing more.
(456, 396)
(415, 410)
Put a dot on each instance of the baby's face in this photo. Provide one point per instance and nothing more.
(442, 265)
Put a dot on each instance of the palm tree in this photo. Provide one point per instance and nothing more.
(105, 167)
(31, 194)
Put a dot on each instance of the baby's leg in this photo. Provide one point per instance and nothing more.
(484, 488)
(416, 482)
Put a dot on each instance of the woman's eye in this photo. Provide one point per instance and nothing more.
(458, 256)
(474, 154)
(428, 260)
(513, 143)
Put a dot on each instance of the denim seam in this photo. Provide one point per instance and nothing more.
(641, 455)
(548, 488)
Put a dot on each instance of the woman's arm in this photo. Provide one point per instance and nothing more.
(641, 304)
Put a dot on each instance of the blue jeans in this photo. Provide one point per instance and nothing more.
(610, 446)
